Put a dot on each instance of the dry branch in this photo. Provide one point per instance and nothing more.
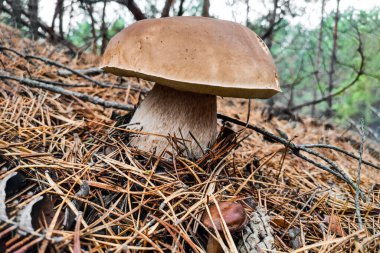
(130, 4)
(53, 63)
(93, 99)
(328, 146)
(166, 10)
(333, 168)
(357, 205)
(206, 8)
(88, 71)
(66, 71)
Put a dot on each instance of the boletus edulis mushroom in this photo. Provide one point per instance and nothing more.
(233, 215)
(191, 60)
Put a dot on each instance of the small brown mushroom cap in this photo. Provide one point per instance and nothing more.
(233, 214)
(195, 54)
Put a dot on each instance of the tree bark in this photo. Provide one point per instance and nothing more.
(90, 11)
(1, 5)
(247, 10)
(16, 6)
(103, 29)
(45, 32)
(58, 12)
(181, 10)
(133, 8)
(333, 61)
(33, 17)
(61, 11)
(272, 23)
(206, 8)
(166, 10)
(319, 55)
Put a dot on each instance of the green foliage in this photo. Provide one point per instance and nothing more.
(295, 52)
(116, 27)
(81, 35)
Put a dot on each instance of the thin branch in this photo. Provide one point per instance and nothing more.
(328, 146)
(319, 55)
(130, 4)
(127, 86)
(333, 60)
(357, 205)
(181, 9)
(93, 99)
(374, 111)
(166, 10)
(53, 63)
(333, 168)
(206, 8)
(133, 8)
(87, 71)
(343, 89)
(369, 130)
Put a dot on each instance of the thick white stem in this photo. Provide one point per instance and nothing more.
(167, 111)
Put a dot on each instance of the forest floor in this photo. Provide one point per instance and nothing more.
(69, 181)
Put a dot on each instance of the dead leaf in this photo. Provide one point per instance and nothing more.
(334, 224)
(280, 221)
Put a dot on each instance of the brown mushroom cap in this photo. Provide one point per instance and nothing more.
(233, 214)
(195, 54)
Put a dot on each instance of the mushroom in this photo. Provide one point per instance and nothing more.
(191, 60)
(234, 216)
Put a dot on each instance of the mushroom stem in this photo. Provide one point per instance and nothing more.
(213, 245)
(168, 111)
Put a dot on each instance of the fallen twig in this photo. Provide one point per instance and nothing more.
(79, 85)
(333, 168)
(53, 63)
(93, 99)
(88, 71)
(357, 205)
(328, 146)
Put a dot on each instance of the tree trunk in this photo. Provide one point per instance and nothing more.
(319, 55)
(61, 11)
(247, 10)
(181, 10)
(103, 29)
(55, 14)
(45, 30)
(1, 5)
(333, 60)
(58, 12)
(166, 10)
(33, 17)
(90, 10)
(134, 9)
(16, 6)
(206, 8)
(272, 23)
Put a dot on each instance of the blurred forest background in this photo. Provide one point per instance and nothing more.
(327, 70)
